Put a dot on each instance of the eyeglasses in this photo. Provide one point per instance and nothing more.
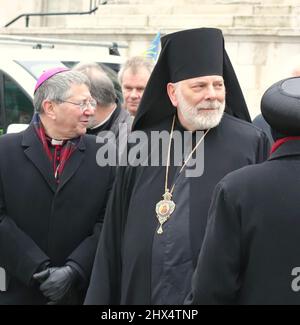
(83, 105)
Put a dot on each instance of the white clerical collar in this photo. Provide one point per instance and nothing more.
(108, 117)
(55, 142)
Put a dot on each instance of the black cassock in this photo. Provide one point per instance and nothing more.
(122, 268)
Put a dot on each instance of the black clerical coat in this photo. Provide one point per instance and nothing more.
(119, 116)
(122, 268)
(43, 221)
(251, 252)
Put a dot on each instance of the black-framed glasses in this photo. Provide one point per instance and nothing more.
(83, 105)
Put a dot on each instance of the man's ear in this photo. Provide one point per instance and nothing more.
(172, 94)
(48, 109)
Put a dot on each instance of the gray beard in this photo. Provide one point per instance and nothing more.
(201, 120)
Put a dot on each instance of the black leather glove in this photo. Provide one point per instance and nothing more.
(56, 281)
(41, 275)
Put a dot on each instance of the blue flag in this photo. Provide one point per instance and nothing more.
(153, 50)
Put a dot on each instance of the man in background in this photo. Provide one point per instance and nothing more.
(108, 113)
(133, 77)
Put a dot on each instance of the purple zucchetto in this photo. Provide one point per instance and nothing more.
(48, 74)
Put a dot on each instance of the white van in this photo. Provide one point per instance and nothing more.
(19, 70)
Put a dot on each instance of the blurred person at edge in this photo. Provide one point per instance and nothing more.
(253, 225)
(52, 196)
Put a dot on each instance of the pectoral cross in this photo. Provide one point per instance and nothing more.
(164, 209)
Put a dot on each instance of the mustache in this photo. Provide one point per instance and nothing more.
(209, 104)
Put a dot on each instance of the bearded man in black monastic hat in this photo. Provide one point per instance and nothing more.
(253, 227)
(157, 215)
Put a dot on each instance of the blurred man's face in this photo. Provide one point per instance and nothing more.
(133, 86)
(200, 101)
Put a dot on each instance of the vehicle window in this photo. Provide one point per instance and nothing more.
(112, 67)
(36, 68)
(18, 107)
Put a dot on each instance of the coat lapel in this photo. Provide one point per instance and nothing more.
(72, 164)
(33, 149)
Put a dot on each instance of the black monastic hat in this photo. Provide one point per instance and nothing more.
(189, 54)
(280, 106)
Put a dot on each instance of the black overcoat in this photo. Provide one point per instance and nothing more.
(122, 269)
(251, 252)
(41, 221)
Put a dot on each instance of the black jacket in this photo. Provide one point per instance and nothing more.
(251, 251)
(119, 116)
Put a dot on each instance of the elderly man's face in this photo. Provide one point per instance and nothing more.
(70, 119)
(200, 102)
(133, 86)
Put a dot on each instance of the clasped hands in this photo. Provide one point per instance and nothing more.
(55, 282)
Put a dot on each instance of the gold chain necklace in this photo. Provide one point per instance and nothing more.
(166, 207)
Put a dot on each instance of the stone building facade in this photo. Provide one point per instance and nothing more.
(262, 36)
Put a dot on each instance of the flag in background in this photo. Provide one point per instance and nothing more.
(153, 50)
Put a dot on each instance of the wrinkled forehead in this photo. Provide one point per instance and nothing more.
(76, 89)
(204, 79)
